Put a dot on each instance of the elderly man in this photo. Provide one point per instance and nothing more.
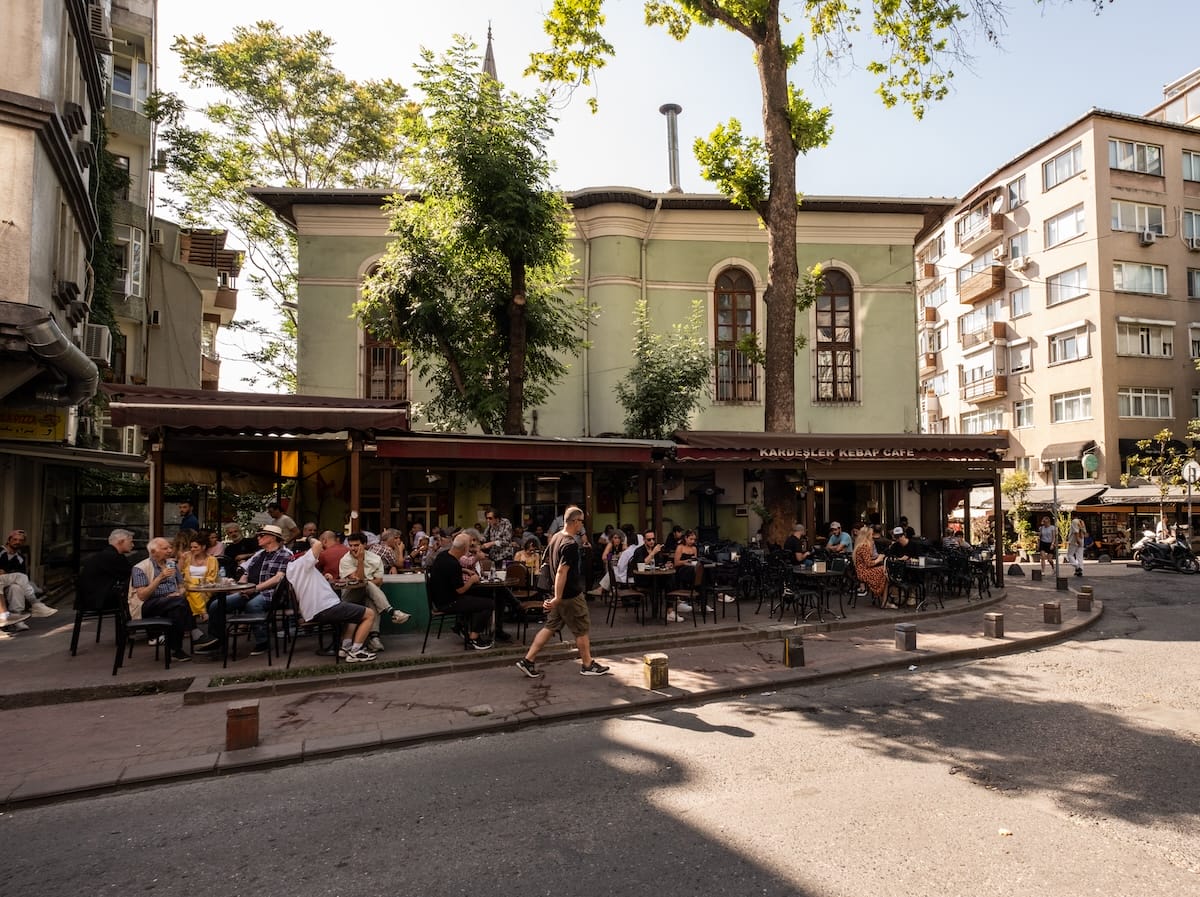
(364, 570)
(105, 572)
(156, 590)
(266, 570)
(308, 532)
(20, 593)
(319, 603)
(390, 549)
(450, 586)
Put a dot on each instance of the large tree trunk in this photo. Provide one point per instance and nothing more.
(779, 215)
(514, 415)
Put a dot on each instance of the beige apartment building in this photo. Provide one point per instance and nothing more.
(1059, 302)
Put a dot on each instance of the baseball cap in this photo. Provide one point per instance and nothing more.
(898, 531)
(835, 525)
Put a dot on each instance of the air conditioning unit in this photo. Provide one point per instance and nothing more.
(1020, 262)
(1147, 237)
(1193, 243)
(156, 236)
(100, 28)
(155, 318)
(97, 342)
(1000, 252)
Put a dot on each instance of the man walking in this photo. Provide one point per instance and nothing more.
(568, 605)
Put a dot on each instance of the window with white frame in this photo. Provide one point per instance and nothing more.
(1133, 277)
(1018, 245)
(1191, 166)
(1023, 414)
(939, 385)
(1129, 155)
(1193, 283)
(128, 243)
(1194, 340)
(1148, 339)
(979, 318)
(985, 421)
(1191, 224)
(1018, 302)
(1144, 401)
(933, 250)
(1071, 406)
(1064, 226)
(1062, 167)
(1136, 216)
(1066, 285)
(976, 219)
(1024, 463)
(1068, 345)
(1016, 192)
(1020, 356)
(130, 81)
(935, 297)
(978, 367)
(939, 338)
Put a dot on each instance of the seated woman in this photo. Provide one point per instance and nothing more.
(530, 554)
(684, 560)
(198, 567)
(868, 566)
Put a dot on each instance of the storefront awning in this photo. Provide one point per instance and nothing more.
(429, 448)
(1144, 495)
(1129, 447)
(1041, 498)
(247, 413)
(1066, 451)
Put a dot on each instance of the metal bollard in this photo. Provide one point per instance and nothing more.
(906, 636)
(1051, 612)
(1061, 584)
(993, 625)
(793, 651)
(654, 666)
(241, 725)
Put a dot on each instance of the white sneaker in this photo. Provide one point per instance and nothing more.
(38, 609)
(374, 643)
(683, 607)
(11, 618)
(710, 610)
(399, 617)
(673, 617)
(728, 599)
(20, 626)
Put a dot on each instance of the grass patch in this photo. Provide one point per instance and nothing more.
(324, 671)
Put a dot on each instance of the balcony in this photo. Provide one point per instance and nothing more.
(996, 331)
(989, 227)
(984, 389)
(929, 362)
(210, 372)
(930, 314)
(927, 271)
(987, 282)
(226, 298)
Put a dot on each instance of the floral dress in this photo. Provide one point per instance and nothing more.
(869, 574)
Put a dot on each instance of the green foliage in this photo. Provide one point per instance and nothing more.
(1015, 487)
(472, 284)
(1158, 459)
(670, 377)
(283, 116)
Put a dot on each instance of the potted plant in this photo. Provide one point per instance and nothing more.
(1015, 487)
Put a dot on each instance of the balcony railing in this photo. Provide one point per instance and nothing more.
(986, 283)
(737, 377)
(928, 362)
(993, 387)
(989, 227)
(996, 330)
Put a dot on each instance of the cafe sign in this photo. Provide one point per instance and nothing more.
(835, 454)
(33, 424)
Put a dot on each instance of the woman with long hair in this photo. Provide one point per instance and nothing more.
(869, 566)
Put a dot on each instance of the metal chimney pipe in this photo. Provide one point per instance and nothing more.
(671, 111)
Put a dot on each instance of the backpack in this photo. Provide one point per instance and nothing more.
(545, 575)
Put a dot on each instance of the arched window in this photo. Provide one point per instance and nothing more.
(385, 376)
(734, 317)
(835, 339)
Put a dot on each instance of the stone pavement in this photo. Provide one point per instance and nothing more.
(71, 728)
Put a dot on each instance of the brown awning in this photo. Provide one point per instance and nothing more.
(729, 445)
(429, 448)
(1066, 451)
(248, 413)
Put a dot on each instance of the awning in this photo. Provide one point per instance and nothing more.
(430, 448)
(1041, 498)
(248, 413)
(1129, 447)
(1144, 495)
(77, 457)
(729, 445)
(1066, 451)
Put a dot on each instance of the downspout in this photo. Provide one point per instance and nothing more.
(587, 328)
(47, 341)
(645, 241)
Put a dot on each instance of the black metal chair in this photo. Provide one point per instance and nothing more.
(901, 586)
(88, 604)
(620, 596)
(441, 616)
(152, 627)
(287, 613)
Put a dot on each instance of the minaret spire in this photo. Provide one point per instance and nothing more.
(489, 59)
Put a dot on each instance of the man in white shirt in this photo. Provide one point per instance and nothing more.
(365, 569)
(319, 603)
(622, 568)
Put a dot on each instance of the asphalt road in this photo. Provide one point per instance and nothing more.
(1068, 771)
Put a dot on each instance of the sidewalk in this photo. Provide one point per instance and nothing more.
(101, 741)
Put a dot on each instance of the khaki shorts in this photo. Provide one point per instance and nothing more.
(572, 613)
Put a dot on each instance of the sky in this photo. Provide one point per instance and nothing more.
(1055, 61)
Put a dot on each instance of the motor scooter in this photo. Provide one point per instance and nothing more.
(1173, 555)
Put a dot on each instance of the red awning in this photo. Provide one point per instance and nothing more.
(529, 449)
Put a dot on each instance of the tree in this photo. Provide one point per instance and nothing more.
(914, 39)
(1015, 487)
(284, 116)
(1160, 460)
(473, 281)
(670, 375)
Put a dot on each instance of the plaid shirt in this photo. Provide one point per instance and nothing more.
(385, 554)
(268, 564)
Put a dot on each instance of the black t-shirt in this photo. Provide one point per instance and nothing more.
(445, 579)
(912, 549)
(793, 544)
(565, 550)
(14, 564)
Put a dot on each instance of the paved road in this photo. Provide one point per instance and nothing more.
(1066, 771)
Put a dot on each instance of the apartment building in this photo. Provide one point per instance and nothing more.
(1059, 302)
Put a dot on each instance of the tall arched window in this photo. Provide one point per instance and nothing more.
(835, 339)
(733, 314)
(385, 375)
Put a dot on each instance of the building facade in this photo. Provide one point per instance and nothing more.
(1059, 302)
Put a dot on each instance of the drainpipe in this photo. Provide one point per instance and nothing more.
(587, 330)
(645, 241)
(47, 341)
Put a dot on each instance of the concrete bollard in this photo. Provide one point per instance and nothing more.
(1085, 590)
(993, 625)
(1035, 575)
(1051, 612)
(1061, 584)
(654, 666)
(793, 651)
(241, 725)
(906, 636)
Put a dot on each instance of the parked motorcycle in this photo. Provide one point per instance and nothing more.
(1173, 555)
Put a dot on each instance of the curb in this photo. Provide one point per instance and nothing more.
(324, 747)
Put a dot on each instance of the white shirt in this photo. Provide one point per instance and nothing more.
(622, 566)
(372, 565)
(313, 592)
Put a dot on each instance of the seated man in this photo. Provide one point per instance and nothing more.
(365, 569)
(319, 603)
(651, 551)
(104, 576)
(266, 570)
(450, 587)
(156, 590)
(22, 593)
(332, 552)
(796, 545)
(903, 546)
(838, 543)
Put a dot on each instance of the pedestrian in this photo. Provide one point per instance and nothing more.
(1047, 539)
(1076, 537)
(568, 605)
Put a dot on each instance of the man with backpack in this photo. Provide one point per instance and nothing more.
(567, 604)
